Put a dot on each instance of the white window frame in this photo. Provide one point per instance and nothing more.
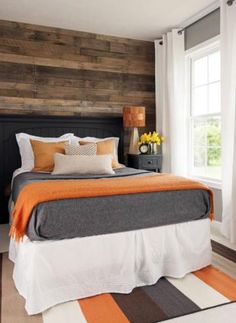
(198, 51)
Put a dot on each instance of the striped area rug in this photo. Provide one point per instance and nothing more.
(207, 293)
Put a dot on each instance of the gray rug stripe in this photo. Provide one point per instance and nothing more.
(170, 299)
(138, 307)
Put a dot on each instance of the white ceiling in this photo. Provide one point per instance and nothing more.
(140, 19)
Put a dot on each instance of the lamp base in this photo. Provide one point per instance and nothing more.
(133, 147)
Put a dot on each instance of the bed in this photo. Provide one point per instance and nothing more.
(139, 238)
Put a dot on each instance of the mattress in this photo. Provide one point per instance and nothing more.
(71, 218)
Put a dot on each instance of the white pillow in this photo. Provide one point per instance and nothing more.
(75, 139)
(26, 152)
(75, 164)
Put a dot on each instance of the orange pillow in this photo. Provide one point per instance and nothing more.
(44, 154)
(105, 147)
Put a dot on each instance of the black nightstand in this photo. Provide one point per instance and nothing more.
(148, 162)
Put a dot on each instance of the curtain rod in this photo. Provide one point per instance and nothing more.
(229, 3)
(183, 29)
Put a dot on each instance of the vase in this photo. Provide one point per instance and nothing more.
(153, 148)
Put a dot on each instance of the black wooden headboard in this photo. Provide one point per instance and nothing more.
(46, 126)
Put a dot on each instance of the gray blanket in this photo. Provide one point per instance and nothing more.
(82, 217)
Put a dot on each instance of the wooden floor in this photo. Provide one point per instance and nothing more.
(4, 238)
(218, 261)
(223, 264)
(218, 237)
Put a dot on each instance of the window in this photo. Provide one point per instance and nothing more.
(205, 113)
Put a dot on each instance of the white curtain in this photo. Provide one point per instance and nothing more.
(228, 77)
(170, 105)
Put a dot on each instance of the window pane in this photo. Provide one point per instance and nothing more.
(199, 133)
(214, 157)
(199, 101)
(205, 129)
(199, 146)
(206, 140)
(200, 71)
(214, 98)
(214, 67)
(199, 159)
(214, 132)
(214, 148)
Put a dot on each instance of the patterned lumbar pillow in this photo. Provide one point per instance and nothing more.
(86, 150)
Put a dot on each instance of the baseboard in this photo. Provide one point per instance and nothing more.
(223, 251)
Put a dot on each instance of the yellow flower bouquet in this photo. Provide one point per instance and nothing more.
(152, 139)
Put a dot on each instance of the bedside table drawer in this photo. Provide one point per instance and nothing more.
(149, 162)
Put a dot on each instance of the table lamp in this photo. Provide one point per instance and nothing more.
(134, 117)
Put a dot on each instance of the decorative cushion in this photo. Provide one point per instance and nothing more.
(73, 149)
(44, 154)
(26, 152)
(105, 147)
(76, 139)
(75, 164)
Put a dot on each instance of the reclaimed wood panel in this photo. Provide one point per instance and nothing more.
(52, 71)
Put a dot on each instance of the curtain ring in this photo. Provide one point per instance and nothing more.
(230, 2)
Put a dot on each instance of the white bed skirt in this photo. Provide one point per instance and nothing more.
(48, 273)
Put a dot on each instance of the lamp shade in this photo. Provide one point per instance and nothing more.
(133, 117)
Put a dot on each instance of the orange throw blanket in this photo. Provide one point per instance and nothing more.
(33, 194)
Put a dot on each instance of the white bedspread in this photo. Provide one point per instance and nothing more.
(48, 273)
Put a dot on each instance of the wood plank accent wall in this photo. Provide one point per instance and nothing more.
(45, 70)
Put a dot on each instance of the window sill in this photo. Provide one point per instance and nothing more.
(209, 182)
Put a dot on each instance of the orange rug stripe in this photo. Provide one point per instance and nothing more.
(221, 282)
(101, 309)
